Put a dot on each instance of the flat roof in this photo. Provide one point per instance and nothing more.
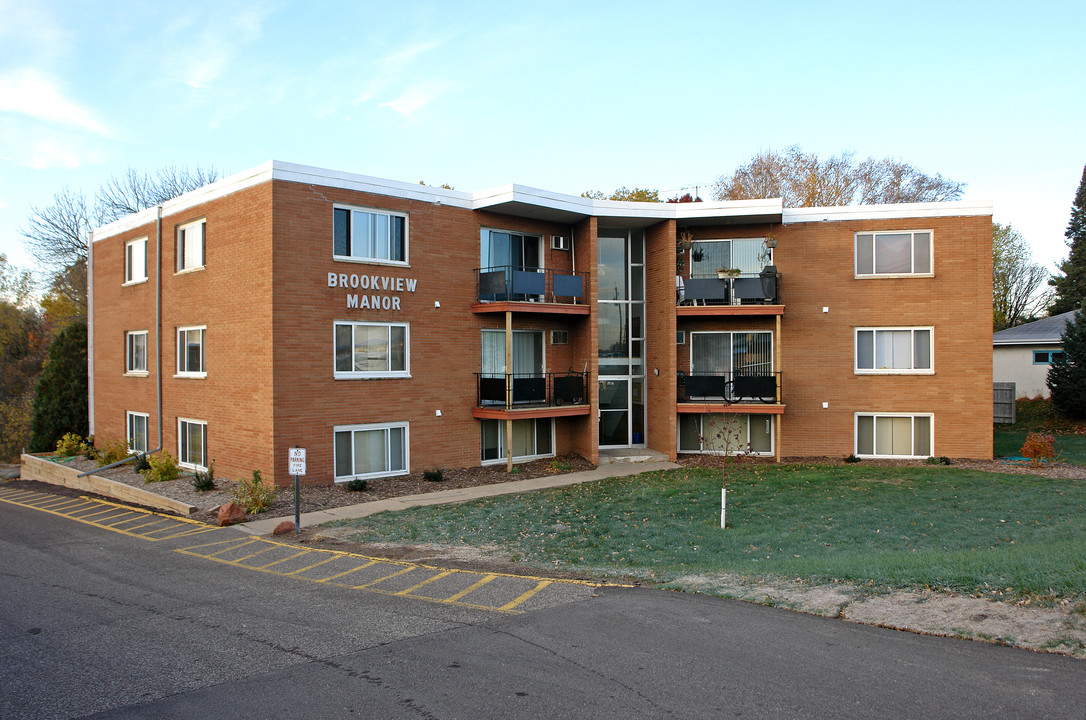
(528, 202)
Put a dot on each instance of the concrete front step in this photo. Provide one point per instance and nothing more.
(631, 455)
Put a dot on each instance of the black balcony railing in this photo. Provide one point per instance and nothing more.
(761, 289)
(729, 387)
(531, 389)
(526, 284)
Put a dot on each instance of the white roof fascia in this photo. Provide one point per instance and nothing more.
(1006, 343)
(292, 172)
(621, 208)
(886, 212)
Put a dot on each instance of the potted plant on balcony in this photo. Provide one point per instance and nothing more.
(726, 273)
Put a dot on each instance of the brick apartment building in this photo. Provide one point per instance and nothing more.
(389, 327)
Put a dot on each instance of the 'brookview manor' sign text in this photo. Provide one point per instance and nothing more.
(375, 284)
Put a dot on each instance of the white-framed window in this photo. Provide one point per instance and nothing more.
(897, 252)
(192, 444)
(895, 435)
(190, 351)
(367, 235)
(190, 245)
(135, 261)
(532, 438)
(369, 350)
(137, 432)
(371, 451)
(720, 433)
(894, 350)
(135, 352)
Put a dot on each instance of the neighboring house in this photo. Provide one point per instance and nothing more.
(1022, 354)
(389, 327)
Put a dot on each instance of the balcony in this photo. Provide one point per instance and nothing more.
(743, 295)
(537, 290)
(531, 394)
(713, 390)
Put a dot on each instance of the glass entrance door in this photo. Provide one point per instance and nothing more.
(621, 332)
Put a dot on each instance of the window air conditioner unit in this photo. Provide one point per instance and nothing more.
(559, 242)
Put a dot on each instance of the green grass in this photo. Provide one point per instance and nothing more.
(1069, 448)
(895, 527)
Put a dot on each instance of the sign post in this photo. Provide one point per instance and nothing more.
(296, 463)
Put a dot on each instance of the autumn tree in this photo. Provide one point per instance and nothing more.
(625, 193)
(1015, 279)
(21, 352)
(1070, 284)
(803, 179)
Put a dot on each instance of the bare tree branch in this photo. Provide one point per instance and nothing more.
(1015, 279)
(801, 179)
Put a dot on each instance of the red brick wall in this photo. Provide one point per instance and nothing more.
(660, 324)
(816, 261)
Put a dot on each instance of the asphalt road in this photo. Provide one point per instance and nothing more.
(114, 624)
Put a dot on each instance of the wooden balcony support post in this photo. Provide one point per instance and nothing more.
(509, 389)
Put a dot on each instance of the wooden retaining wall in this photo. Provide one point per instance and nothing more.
(36, 468)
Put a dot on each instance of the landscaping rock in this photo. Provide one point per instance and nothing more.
(283, 528)
(230, 514)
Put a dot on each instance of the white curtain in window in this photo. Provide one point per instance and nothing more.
(369, 451)
(527, 352)
(747, 255)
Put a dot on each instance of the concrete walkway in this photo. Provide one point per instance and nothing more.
(265, 526)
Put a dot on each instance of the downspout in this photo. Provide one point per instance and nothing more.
(158, 345)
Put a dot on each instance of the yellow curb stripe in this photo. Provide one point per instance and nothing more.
(386, 577)
(513, 603)
(371, 563)
(288, 557)
(411, 589)
(310, 567)
(468, 590)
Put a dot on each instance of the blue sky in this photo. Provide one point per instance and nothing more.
(566, 96)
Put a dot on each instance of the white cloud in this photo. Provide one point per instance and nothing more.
(388, 69)
(50, 153)
(203, 57)
(416, 97)
(33, 93)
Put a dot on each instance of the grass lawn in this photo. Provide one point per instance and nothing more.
(1069, 448)
(898, 527)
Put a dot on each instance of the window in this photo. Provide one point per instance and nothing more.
(748, 255)
(190, 246)
(902, 252)
(893, 350)
(370, 235)
(1048, 357)
(137, 432)
(500, 249)
(559, 337)
(190, 351)
(717, 433)
(680, 337)
(135, 352)
(135, 261)
(371, 350)
(894, 435)
(367, 451)
(532, 438)
(192, 444)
